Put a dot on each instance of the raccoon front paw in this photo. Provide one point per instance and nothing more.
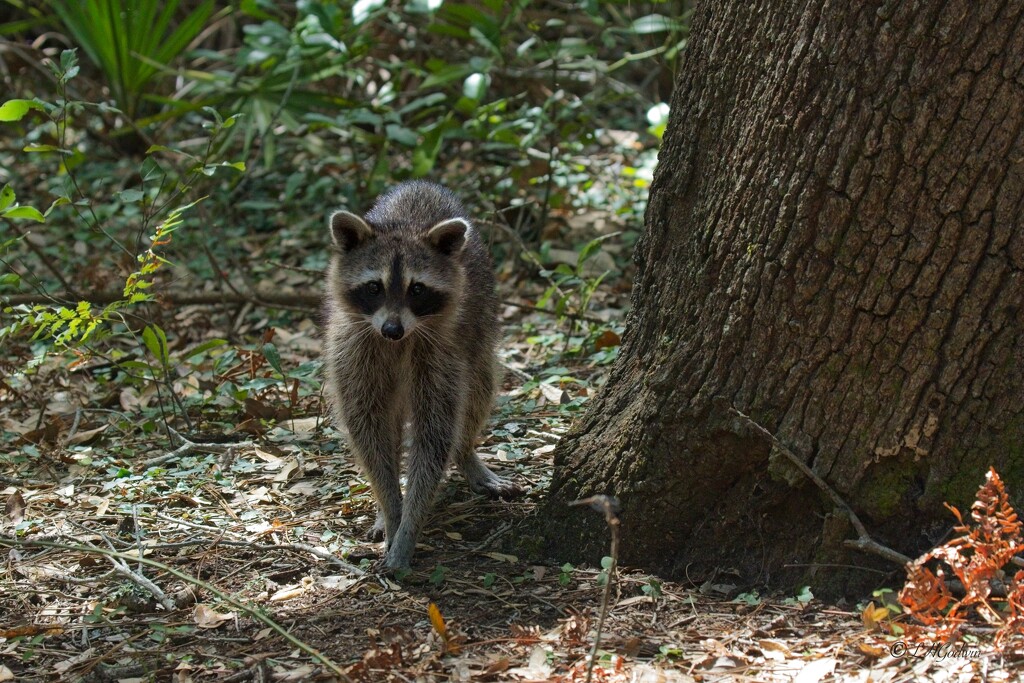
(489, 484)
(376, 532)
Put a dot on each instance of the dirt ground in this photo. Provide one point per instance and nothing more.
(68, 616)
(253, 548)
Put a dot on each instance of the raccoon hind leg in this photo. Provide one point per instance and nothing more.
(478, 406)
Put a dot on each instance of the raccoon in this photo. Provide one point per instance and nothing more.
(411, 338)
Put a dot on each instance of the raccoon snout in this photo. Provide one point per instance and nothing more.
(393, 330)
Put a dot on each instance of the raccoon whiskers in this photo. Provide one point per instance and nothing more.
(363, 331)
(359, 330)
(429, 336)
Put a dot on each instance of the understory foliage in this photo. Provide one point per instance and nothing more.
(169, 157)
(977, 575)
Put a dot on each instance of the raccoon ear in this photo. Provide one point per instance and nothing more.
(449, 237)
(348, 230)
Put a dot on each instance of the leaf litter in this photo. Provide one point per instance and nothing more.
(240, 557)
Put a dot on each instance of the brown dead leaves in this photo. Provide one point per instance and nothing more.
(972, 576)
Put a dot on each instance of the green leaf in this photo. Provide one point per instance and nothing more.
(130, 196)
(156, 341)
(68, 65)
(23, 212)
(655, 23)
(134, 366)
(362, 8)
(401, 135)
(210, 169)
(59, 201)
(68, 59)
(6, 196)
(475, 85)
(15, 110)
(273, 357)
(41, 148)
(589, 250)
(437, 577)
(204, 347)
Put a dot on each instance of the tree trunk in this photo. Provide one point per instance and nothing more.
(834, 247)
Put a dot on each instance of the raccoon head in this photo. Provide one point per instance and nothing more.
(399, 279)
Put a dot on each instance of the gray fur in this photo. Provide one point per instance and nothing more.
(440, 375)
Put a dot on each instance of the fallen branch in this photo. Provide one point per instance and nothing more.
(864, 542)
(190, 447)
(297, 547)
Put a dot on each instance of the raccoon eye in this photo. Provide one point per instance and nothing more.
(417, 288)
(373, 288)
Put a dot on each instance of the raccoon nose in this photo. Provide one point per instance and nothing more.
(392, 329)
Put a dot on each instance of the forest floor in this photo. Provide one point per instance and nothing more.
(177, 509)
(243, 548)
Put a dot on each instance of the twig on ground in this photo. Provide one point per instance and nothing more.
(121, 568)
(189, 447)
(20, 481)
(301, 547)
(609, 505)
(525, 376)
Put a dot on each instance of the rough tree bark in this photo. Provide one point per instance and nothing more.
(834, 247)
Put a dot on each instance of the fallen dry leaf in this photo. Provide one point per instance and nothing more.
(207, 617)
(554, 394)
(502, 557)
(536, 668)
(873, 650)
(872, 616)
(816, 670)
(437, 621)
(303, 426)
(289, 593)
(285, 473)
(64, 666)
(774, 650)
(607, 340)
(87, 435)
(302, 673)
(14, 508)
(337, 582)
